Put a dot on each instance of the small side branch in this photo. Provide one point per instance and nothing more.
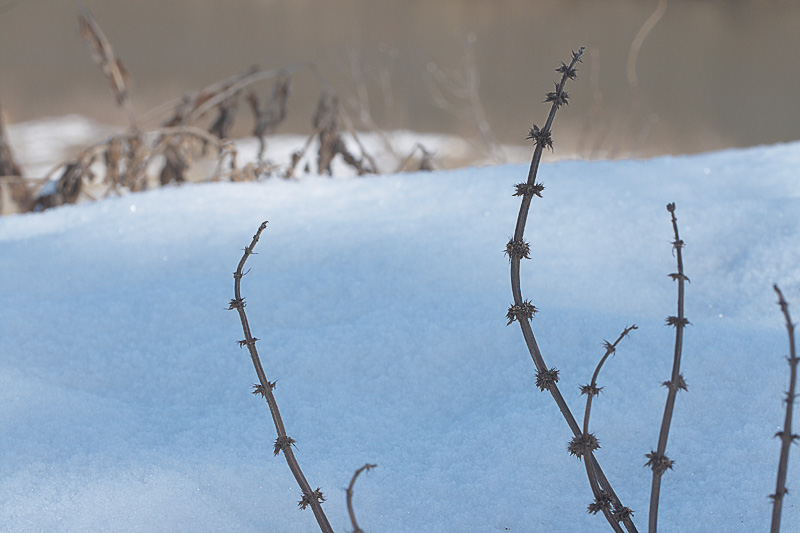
(657, 460)
(367, 467)
(588, 442)
(283, 443)
(786, 435)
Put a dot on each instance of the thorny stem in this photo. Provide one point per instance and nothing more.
(350, 511)
(786, 435)
(558, 98)
(591, 391)
(283, 442)
(657, 460)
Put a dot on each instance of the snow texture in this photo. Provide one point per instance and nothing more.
(380, 303)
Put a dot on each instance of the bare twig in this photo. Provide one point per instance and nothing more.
(264, 388)
(786, 435)
(657, 460)
(523, 310)
(350, 511)
(587, 443)
(283, 443)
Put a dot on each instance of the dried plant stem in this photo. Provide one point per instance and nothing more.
(636, 45)
(235, 86)
(8, 165)
(786, 435)
(299, 154)
(350, 511)
(283, 443)
(464, 87)
(522, 310)
(348, 124)
(592, 390)
(103, 55)
(657, 460)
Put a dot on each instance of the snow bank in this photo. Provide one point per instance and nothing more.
(381, 302)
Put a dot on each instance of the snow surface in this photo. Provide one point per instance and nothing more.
(126, 404)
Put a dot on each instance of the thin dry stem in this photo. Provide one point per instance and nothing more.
(283, 443)
(350, 510)
(464, 86)
(213, 95)
(103, 55)
(786, 435)
(542, 138)
(636, 45)
(361, 103)
(591, 391)
(657, 460)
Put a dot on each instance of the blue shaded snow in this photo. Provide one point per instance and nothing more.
(380, 304)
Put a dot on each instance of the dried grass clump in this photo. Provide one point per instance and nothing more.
(192, 141)
(14, 193)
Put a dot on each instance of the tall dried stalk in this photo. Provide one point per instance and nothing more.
(657, 460)
(588, 442)
(523, 310)
(283, 443)
(786, 435)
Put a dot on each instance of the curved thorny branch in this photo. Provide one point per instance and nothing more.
(657, 460)
(350, 511)
(522, 310)
(283, 443)
(786, 435)
(588, 442)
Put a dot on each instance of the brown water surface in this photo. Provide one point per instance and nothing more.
(710, 74)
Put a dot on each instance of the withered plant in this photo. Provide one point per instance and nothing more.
(657, 459)
(786, 435)
(13, 189)
(522, 310)
(148, 157)
(103, 54)
(283, 443)
(272, 114)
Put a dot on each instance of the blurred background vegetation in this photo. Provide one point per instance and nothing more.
(708, 74)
